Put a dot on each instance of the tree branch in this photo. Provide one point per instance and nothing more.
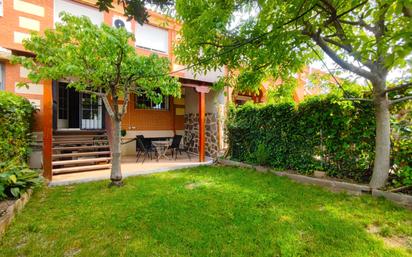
(351, 9)
(361, 23)
(108, 106)
(333, 42)
(401, 99)
(357, 99)
(333, 55)
(93, 93)
(403, 86)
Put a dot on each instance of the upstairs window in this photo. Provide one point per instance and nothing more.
(152, 38)
(144, 103)
(77, 9)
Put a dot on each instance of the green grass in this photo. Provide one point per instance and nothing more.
(205, 211)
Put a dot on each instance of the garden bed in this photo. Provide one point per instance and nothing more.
(10, 208)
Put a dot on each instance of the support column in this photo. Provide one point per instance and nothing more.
(202, 90)
(47, 130)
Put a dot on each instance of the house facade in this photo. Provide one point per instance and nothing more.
(64, 114)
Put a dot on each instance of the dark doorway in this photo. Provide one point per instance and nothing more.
(68, 106)
(74, 107)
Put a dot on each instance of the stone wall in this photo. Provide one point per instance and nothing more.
(192, 130)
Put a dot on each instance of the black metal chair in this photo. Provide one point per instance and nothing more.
(143, 146)
(175, 146)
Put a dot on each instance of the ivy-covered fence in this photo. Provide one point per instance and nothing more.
(16, 119)
(322, 133)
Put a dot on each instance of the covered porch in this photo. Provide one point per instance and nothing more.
(70, 158)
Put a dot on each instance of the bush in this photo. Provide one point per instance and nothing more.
(15, 180)
(16, 119)
(322, 133)
(401, 138)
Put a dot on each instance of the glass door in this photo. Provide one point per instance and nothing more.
(92, 112)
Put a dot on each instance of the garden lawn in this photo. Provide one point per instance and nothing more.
(206, 211)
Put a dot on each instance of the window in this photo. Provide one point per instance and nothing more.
(143, 102)
(152, 38)
(62, 102)
(2, 79)
(77, 9)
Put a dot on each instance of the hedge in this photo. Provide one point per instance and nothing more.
(16, 120)
(322, 133)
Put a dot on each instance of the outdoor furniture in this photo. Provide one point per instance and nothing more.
(176, 146)
(143, 146)
(161, 148)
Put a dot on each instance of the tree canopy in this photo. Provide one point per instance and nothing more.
(278, 37)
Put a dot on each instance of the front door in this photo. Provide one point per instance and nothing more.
(78, 111)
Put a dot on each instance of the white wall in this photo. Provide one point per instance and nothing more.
(213, 99)
(210, 76)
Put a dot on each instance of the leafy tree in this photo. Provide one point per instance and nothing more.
(101, 62)
(283, 92)
(259, 38)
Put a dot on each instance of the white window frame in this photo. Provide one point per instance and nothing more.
(146, 42)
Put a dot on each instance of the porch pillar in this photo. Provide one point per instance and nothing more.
(47, 129)
(202, 90)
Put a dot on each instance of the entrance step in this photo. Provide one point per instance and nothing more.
(82, 142)
(66, 148)
(81, 168)
(80, 154)
(74, 137)
(79, 132)
(80, 151)
(81, 161)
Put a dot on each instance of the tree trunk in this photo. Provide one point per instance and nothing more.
(382, 140)
(116, 173)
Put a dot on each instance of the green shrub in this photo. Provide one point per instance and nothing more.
(322, 133)
(16, 120)
(401, 138)
(15, 180)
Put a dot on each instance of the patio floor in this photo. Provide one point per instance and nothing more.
(130, 168)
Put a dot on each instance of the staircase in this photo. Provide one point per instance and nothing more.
(78, 151)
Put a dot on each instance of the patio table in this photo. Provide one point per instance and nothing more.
(161, 148)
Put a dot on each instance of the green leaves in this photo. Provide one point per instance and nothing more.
(320, 134)
(16, 179)
(16, 120)
(262, 39)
